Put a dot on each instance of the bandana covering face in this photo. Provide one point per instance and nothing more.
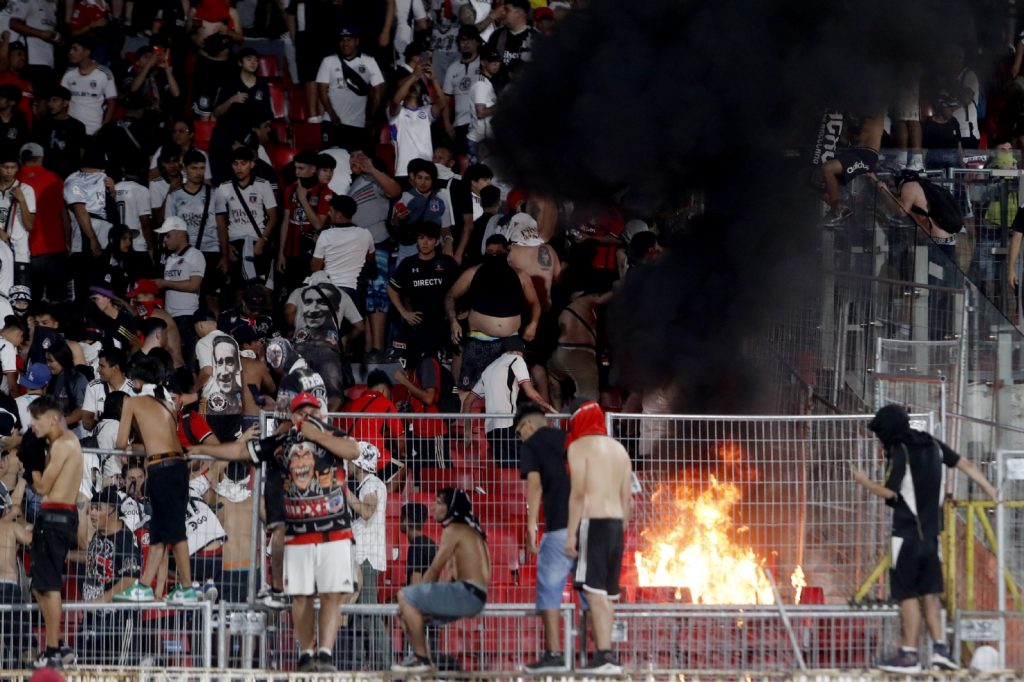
(460, 510)
(588, 420)
(892, 426)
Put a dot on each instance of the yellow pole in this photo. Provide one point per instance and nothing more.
(880, 568)
(950, 563)
(970, 557)
(991, 536)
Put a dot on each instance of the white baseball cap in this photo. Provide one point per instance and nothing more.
(171, 224)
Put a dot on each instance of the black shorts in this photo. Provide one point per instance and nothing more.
(55, 532)
(504, 445)
(856, 161)
(167, 486)
(600, 546)
(273, 496)
(476, 355)
(916, 567)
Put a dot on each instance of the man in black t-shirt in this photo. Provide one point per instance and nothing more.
(113, 561)
(543, 464)
(417, 290)
(914, 483)
(422, 550)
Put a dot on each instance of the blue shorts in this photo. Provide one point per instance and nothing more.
(377, 300)
(446, 602)
(553, 569)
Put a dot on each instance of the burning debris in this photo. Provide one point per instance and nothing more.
(699, 554)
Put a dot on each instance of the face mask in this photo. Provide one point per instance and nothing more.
(309, 183)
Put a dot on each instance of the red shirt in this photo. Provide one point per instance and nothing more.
(27, 96)
(374, 429)
(192, 429)
(300, 230)
(47, 234)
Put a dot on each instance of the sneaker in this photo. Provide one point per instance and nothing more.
(182, 595)
(307, 664)
(275, 599)
(603, 663)
(902, 661)
(45, 660)
(942, 658)
(325, 662)
(315, 119)
(210, 591)
(136, 592)
(549, 662)
(413, 664)
(68, 656)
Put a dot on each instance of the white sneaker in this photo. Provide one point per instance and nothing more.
(315, 119)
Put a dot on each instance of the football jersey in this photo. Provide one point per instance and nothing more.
(40, 15)
(189, 207)
(458, 82)
(348, 84)
(89, 95)
(259, 196)
(133, 202)
(88, 189)
(10, 219)
(410, 133)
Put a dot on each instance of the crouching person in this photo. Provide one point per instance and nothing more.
(464, 540)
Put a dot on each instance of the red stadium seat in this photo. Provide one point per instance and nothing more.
(297, 110)
(278, 103)
(307, 135)
(270, 66)
(282, 132)
(204, 132)
(280, 155)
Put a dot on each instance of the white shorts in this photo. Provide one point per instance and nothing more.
(323, 568)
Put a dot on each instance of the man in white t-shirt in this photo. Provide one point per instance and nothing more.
(11, 337)
(350, 84)
(411, 114)
(343, 249)
(36, 20)
(133, 206)
(17, 211)
(252, 215)
(499, 386)
(183, 277)
(35, 380)
(85, 195)
(483, 97)
(458, 84)
(93, 88)
(112, 366)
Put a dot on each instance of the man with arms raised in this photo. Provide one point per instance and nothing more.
(599, 509)
(56, 526)
(464, 539)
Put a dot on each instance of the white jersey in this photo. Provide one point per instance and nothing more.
(40, 15)
(88, 189)
(10, 219)
(343, 251)
(158, 191)
(347, 94)
(133, 203)
(407, 12)
(258, 196)
(201, 525)
(189, 207)
(89, 95)
(458, 83)
(8, 362)
(371, 541)
(482, 93)
(499, 387)
(96, 395)
(23, 402)
(180, 268)
(410, 133)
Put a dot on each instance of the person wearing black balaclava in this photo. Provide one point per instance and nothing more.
(464, 540)
(305, 214)
(914, 482)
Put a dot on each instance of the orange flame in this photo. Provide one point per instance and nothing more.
(698, 552)
(798, 581)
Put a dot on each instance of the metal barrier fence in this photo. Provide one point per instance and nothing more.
(114, 635)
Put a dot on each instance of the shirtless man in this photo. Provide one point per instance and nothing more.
(575, 358)
(13, 534)
(167, 478)
(599, 509)
(464, 540)
(56, 526)
(497, 296)
(848, 164)
(530, 255)
(256, 378)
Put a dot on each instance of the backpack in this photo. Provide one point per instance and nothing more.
(943, 208)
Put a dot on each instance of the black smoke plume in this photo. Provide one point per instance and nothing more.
(645, 102)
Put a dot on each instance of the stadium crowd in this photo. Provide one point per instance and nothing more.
(286, 206)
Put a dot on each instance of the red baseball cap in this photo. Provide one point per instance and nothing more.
(144, 286)
(303, 399)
